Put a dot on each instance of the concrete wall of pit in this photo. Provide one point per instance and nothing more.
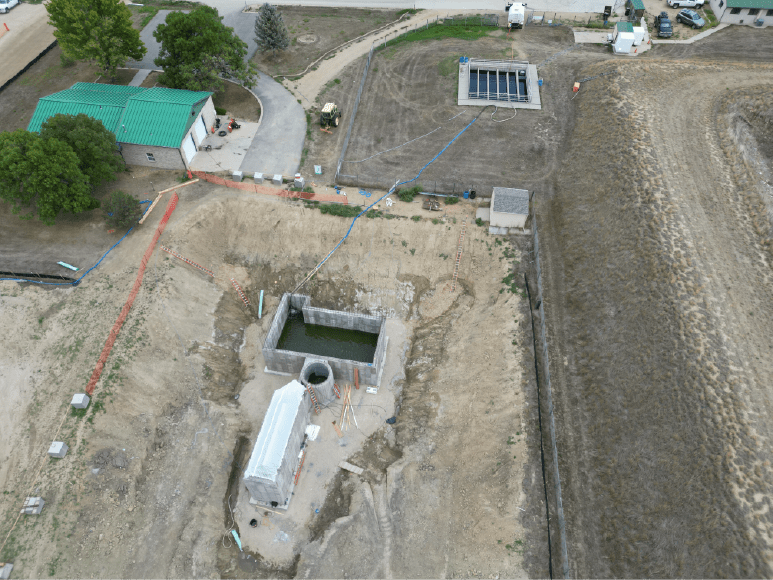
(290, 362)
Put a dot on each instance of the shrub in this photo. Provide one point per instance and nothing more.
(416, 218)
(408, 194)
(479, 222)
(220, 111)
(339, 210)
(452, 200)
(122, 209)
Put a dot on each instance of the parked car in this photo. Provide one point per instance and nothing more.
(690, 18)
(663, 25)
(686, 3)
(6, 5)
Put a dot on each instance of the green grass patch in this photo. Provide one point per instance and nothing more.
(438, 32)
(410, 11)
(339, 210)
(710, 17)
(452, 200)
(416, 218)
(407, 195)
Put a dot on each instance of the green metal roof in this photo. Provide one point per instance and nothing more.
(763, 4)
(102, 102)
(157, 121)
(637, 4)
(624, 27)
(157, 116)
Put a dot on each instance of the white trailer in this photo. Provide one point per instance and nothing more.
(516, 15)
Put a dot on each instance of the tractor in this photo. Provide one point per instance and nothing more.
(331, 115)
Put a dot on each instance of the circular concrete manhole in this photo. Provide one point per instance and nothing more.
(308, 38)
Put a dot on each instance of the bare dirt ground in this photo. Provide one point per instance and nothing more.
(315, 31)
(144, 489)
(411, 90)
(657, 267)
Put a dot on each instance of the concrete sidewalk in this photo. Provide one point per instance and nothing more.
(695, 38)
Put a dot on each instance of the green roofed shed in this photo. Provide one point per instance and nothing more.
(760, 4)
(160, 116)
(624, 27)
(636, 4)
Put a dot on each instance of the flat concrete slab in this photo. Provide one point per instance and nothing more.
(29, 33)
(227, 153)
(140, 77)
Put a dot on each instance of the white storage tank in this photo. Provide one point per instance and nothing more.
(638, 35)
(623, 43)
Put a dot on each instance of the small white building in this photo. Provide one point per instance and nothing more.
(270, 473)
(509, 209)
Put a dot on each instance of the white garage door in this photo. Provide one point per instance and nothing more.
(189, 148)
(201, 130)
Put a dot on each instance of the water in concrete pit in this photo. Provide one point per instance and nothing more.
(325, 341)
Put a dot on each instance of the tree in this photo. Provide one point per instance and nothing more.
(121, 209)
(99, 30)
(95, 146)
(197, 49)
(42, 177)
(270, 30)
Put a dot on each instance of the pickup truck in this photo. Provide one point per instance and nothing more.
(663, 25)
(686, 3)
(6, 5)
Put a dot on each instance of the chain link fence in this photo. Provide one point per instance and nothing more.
(544, 384)
(365, 181)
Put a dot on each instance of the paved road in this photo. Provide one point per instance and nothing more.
(146, 35)
(278, 144)
(28, 34)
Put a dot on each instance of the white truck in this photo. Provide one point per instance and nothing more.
(516, 15)
(686, 3)
(6, 5)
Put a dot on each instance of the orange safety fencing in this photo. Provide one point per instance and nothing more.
(129, 301)
(255, 188)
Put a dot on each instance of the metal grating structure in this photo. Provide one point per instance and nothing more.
(504, 83)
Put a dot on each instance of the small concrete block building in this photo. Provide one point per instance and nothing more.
(80, 401)
(155, 127)
(509, 209)
(58, 450)
(758, 13)
(32, 506)
(270, 473)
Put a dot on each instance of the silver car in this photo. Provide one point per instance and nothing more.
(690, 18)
(6, 5)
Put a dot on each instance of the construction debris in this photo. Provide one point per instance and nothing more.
(350, 467)
(33, 506)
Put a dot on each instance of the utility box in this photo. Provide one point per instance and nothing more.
(277, 180)
(80, 401)
(58, 450)
(638, 35)
(270, 473)
(32, 506)
(258, 178)
(238, 175)
(299, 181)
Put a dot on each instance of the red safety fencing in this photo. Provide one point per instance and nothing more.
(129, 301)
(255, 188)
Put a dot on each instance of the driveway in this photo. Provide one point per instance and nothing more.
(146, 35)
(278, 144)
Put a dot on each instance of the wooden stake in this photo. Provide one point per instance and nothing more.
(337, 429)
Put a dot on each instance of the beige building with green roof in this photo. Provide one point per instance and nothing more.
(155, 127)
(758, 13)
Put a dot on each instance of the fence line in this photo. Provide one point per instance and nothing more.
(354, 112)
(543, 338)
(10, 81)
(255, 188)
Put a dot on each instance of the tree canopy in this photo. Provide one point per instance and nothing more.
(99, 30)
(270, 30)
(95, 146)
(42, 177)
(121, 209)
(197, 49)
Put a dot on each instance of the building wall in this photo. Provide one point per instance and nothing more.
(723, 13)
(507, 220)
(166, 157)
(209, 115)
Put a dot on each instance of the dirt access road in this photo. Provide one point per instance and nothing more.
(657, 268)
(29, 33)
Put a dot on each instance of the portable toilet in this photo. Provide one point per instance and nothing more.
(623, 38)
(638, 35)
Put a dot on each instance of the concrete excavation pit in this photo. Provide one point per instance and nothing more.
(340, 341)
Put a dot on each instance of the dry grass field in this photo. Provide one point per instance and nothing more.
(658, 303)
